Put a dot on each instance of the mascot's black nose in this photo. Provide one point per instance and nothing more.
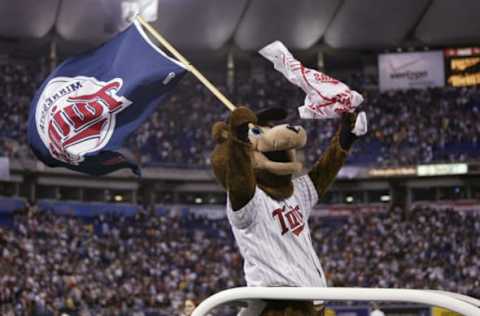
(294, 128)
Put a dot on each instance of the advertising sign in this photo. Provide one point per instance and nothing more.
(463, 66)
(417, 70)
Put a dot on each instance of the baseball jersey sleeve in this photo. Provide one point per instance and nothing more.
(243, 217)
(306, 193)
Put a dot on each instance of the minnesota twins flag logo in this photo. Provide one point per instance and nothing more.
(91, 103)
(83, 117)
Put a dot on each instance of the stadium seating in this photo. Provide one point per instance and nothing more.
(114, 264)
(406, 127)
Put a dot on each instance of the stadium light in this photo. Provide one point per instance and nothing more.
(385, 198)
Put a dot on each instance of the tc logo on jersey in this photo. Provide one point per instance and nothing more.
(76, 116)
(293, 217)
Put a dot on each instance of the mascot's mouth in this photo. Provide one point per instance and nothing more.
(278, 156)
(279, 162)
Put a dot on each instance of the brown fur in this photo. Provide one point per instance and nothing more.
(233, 164)
(278, 187)
(220, 132)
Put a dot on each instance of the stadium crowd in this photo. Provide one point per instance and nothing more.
(149, 264)
(112, 265)
(420, 247)
(18, 83)
(405, 127)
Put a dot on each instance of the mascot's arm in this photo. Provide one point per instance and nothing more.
(240, 176)
(327, 167)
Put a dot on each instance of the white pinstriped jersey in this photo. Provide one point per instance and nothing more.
(274, 238)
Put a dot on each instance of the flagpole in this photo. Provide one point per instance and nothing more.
(184, 61)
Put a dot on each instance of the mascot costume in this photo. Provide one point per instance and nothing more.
(268, 208)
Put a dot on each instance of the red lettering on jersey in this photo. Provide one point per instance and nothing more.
(294, 218)
(279, 212)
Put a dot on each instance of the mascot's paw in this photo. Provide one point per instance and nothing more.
(360, 127)
(239, 120)
(353, 126)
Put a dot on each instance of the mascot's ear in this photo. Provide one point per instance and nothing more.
(220, 132)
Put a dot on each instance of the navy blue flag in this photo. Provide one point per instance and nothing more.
(91, 103)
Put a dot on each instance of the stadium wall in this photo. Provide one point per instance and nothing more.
(33, 181)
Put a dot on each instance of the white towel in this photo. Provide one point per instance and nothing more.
(326, 97)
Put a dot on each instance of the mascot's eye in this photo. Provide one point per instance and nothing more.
(256, 131)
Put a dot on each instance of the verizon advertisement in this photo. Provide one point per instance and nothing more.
(411, 70)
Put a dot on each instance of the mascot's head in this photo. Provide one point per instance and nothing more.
(273, 150)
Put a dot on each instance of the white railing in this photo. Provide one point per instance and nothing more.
(461, 304)
(461, 297)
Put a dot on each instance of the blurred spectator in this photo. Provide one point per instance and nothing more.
(376, 311)
(188, 307)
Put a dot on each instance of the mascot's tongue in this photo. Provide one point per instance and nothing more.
(326, 97)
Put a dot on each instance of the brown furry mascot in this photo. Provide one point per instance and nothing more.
(254, 161)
